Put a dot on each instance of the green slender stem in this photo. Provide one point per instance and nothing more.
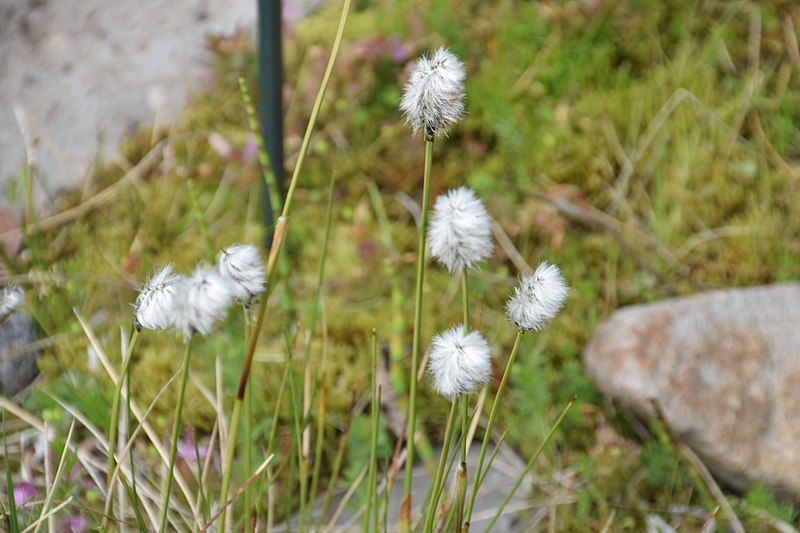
(373, 450)
(532, 460)
(397, 333)
(297, 415)
(493, 455)
(438, 480)
(273, 432)
(315, 110)
(320, 437)
(115, 408)
(282, 223)
(242, 400)
(263, 154)
(373, 486)
(282, 227)
(337, 466)
(176, 424)
(133, 492)
(27, 173)
(461, 474)
(461, 493)
(488, 434)
(229, 453)
(464, 397)
(465, 298)
(319, 373)
(248, 432)
(412, 405)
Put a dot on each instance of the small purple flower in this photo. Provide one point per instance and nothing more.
(23, 492)
(249, 150)
(186, 449)
(74, 524)
(401, 51)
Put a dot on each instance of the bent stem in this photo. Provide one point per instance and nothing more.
(115, 408)
(405, 514)
(533, 460)
(488, 433)
(175, 427)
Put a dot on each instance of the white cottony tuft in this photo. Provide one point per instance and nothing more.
(242, 264)
(459, 362)
(460, 232)
(434, 95)
(538, 298)
(201, 301)
(11, 298)
(153, 307)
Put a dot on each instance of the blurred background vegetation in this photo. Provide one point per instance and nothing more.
(650, 149)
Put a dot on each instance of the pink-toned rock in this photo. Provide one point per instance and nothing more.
(724, 367)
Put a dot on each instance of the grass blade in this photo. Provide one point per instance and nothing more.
(531, 462)
(13, 522)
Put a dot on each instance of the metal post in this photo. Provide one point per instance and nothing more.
(270, 84)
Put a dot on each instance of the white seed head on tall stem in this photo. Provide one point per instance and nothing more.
(11, 298)
(460, 231)
(242, 265)
(538, 298)
(459, 362)
(201, 301)
(434, 95)
(153, 307)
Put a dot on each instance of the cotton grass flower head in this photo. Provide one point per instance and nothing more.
(11, 298)
(201, 301)
(153, 307)
(459, 362)
(242, 265)
(434, 95)
(538, 298)
(460, 231)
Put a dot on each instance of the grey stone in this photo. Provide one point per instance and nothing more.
(498, 482)
(18, 352)
(724, 367)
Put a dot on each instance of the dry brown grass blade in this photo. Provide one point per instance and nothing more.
(508, 247)
(700, 468)
(49, 499)
(238, 492)
(137, 413)
(120, 460)
(593, 217)
(35, 525)
(100, 199)
(349, 494)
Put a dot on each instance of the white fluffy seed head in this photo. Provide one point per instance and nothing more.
(153, 307)
(538, 298)
(460, 231)
(11, 298)
(242, 265)
(434, 95)
(459, 362)
(201, 301)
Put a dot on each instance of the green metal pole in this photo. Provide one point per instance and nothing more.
(270, 83)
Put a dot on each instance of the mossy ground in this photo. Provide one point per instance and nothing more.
(650, 149)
